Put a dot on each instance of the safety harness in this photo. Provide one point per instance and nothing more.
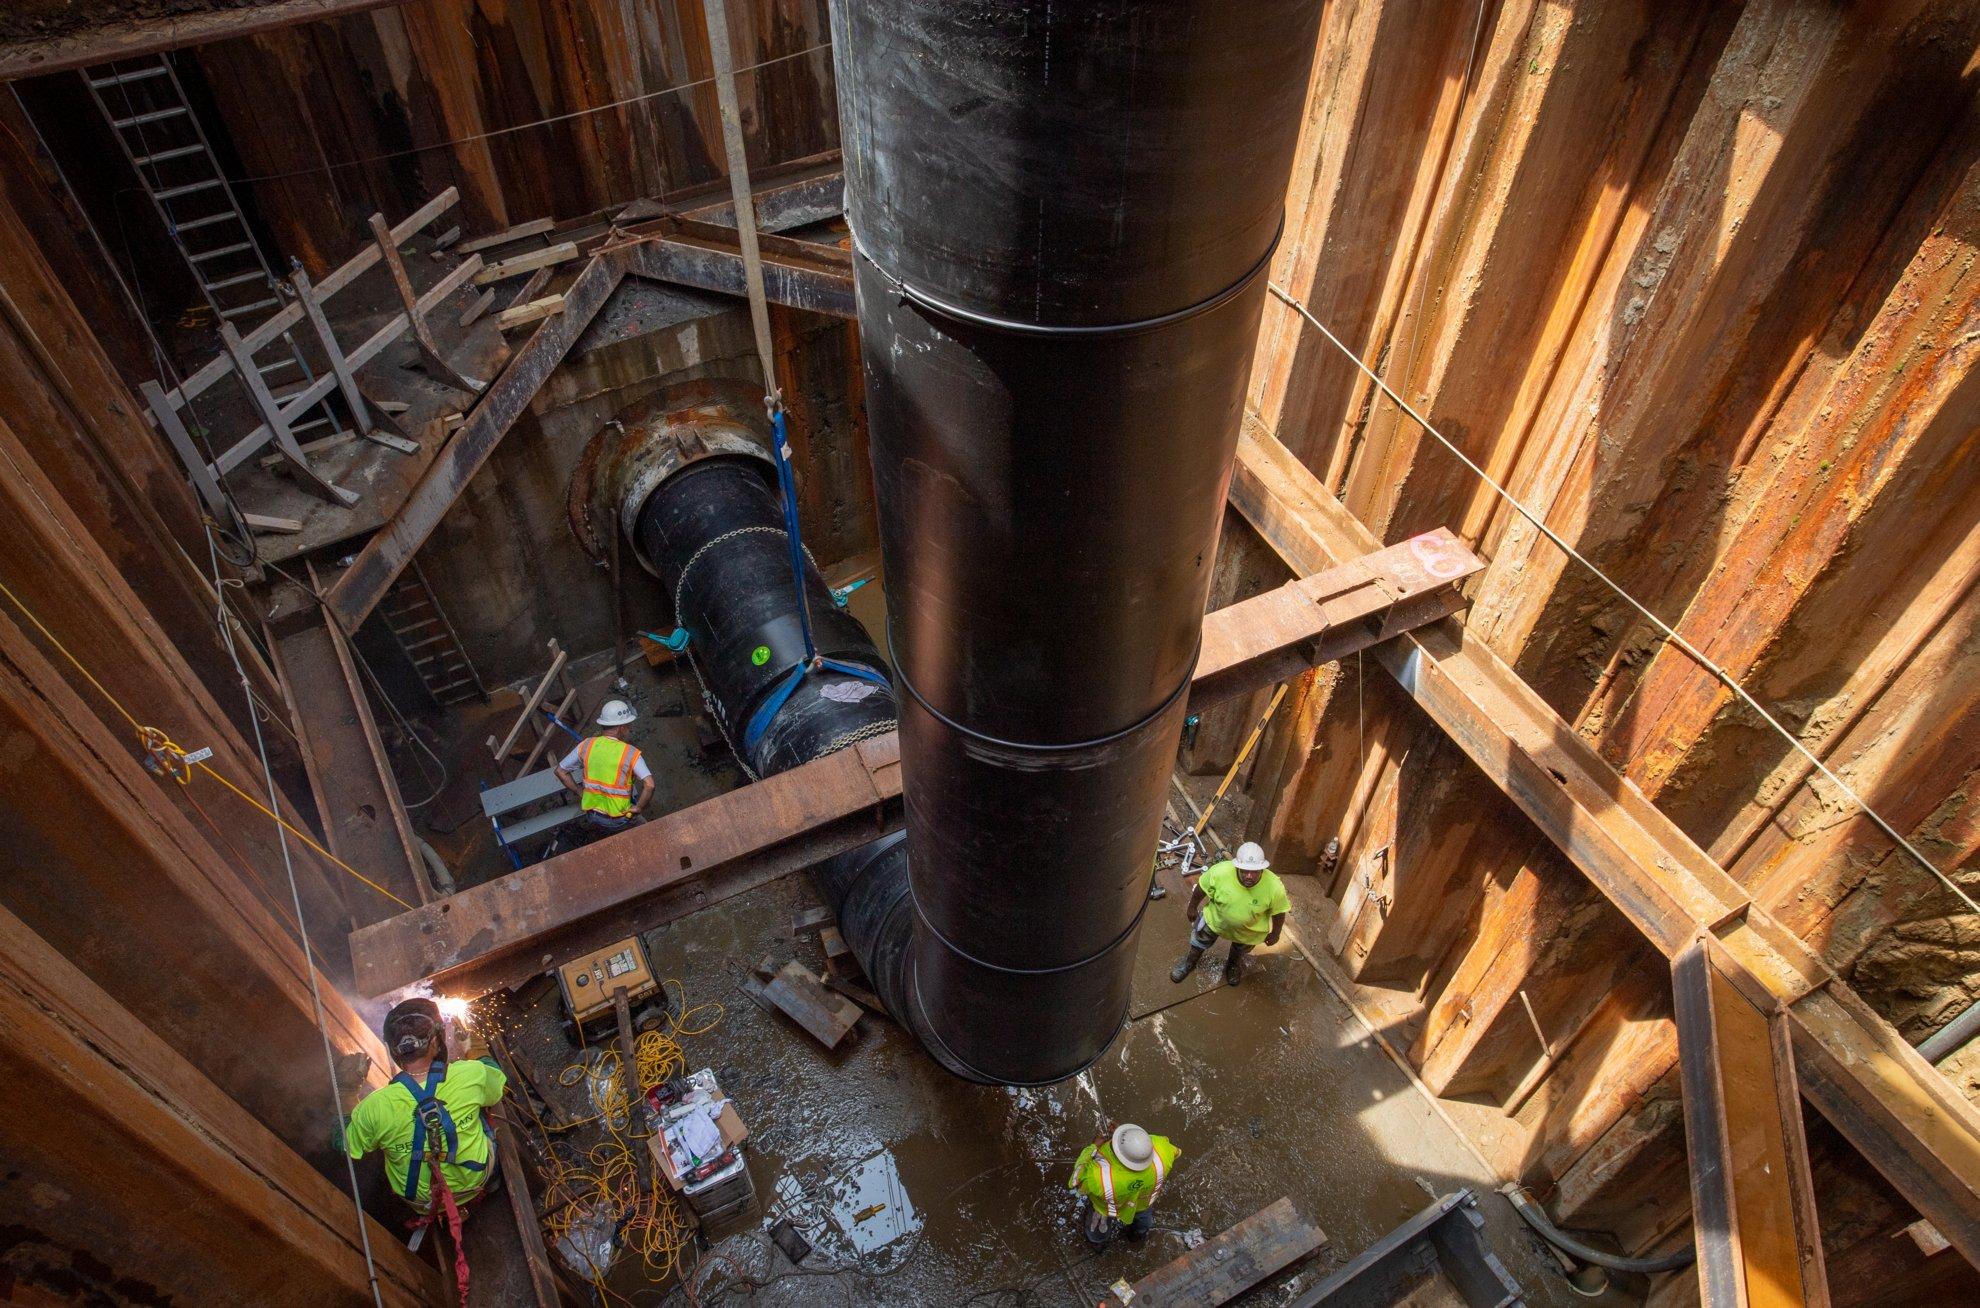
(432, 1122)
(1107, 1180)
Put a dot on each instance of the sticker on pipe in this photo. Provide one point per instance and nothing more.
(848, 692)
(760, 655)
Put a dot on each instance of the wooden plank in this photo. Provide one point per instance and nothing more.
(516, 265)
(803, 998)
(438, 364)
(523, 718)
(360, 818)
(524, 314)
(534, 227)
(386, 554)
(262, 522)
(153, 1170)
(1908, 1121)
(88, 40)
(810, 919)
(1750, 1184)
(1226, 1265)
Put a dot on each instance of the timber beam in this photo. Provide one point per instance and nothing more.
(1893, 1106)
(504, 931)
(708, 255)
(91, 40)
(1752, 1199)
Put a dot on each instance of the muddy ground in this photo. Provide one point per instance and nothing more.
(917, 1188)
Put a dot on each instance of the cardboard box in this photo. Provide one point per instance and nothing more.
(727, 1122)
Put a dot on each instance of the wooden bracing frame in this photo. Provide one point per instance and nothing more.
(1893, 1106)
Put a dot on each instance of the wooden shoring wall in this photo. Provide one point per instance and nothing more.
(1698, 283)
(301, 101)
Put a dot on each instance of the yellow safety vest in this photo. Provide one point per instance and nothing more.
(608, 775)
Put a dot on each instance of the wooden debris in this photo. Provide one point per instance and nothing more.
(801, 996)
(859, 994)
(810, 919)
(446, 238)
(534, 311)
(262, 522)
(482, 303)
(1225, 1266)
(317, 446)
(836, 948)
(529, 262)
(390, 406)
(534, 227)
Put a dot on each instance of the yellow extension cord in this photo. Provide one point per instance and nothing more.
(171, 759)
(647, 1217)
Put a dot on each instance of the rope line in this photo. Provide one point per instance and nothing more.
(295, 901)
(171, 760)
(552, 119)
(1668, 632)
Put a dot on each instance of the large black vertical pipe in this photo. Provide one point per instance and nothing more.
(1062, 212)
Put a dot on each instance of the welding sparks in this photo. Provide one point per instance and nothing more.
(452, 1007)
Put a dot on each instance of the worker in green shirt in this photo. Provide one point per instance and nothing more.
(1240, 900)
(1119, 1176)
(429, 1116)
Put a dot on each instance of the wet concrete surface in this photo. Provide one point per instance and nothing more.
(916, 1188)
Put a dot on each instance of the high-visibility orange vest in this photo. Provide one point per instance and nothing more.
(608, 775)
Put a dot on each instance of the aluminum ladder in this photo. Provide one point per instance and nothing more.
(145, 106)
(418, 623)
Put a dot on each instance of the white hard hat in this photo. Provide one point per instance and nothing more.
(618, 713)
(1133, 1147)
(1250, 858)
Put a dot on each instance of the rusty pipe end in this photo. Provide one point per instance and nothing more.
(647, 442)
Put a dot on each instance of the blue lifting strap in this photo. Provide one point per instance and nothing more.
(430, 1116)
(759, 721)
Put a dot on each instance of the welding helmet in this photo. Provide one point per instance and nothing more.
(1250, 857)
(616, 713)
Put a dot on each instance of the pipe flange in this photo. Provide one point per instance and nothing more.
(648, 442)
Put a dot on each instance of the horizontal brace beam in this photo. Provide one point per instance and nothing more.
(96, 41)
(504, 931)
(798, 274)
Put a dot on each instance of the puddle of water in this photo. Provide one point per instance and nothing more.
(856, 1213)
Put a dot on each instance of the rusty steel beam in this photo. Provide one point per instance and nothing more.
(504, 931)
(1752, 1200)
(1898, 1110)
(797, 274)
(386, 555)
(93, 40)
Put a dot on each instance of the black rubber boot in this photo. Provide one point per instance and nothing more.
(1234, 965)
(1185, 965)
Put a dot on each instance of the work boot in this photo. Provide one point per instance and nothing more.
(1185, 965)
(1234, 965)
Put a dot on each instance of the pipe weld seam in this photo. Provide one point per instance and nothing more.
(936, 304)
(1106, 949)
(1168, 702)
(925, 1028)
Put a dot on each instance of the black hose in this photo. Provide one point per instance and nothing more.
(1543, 1226)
